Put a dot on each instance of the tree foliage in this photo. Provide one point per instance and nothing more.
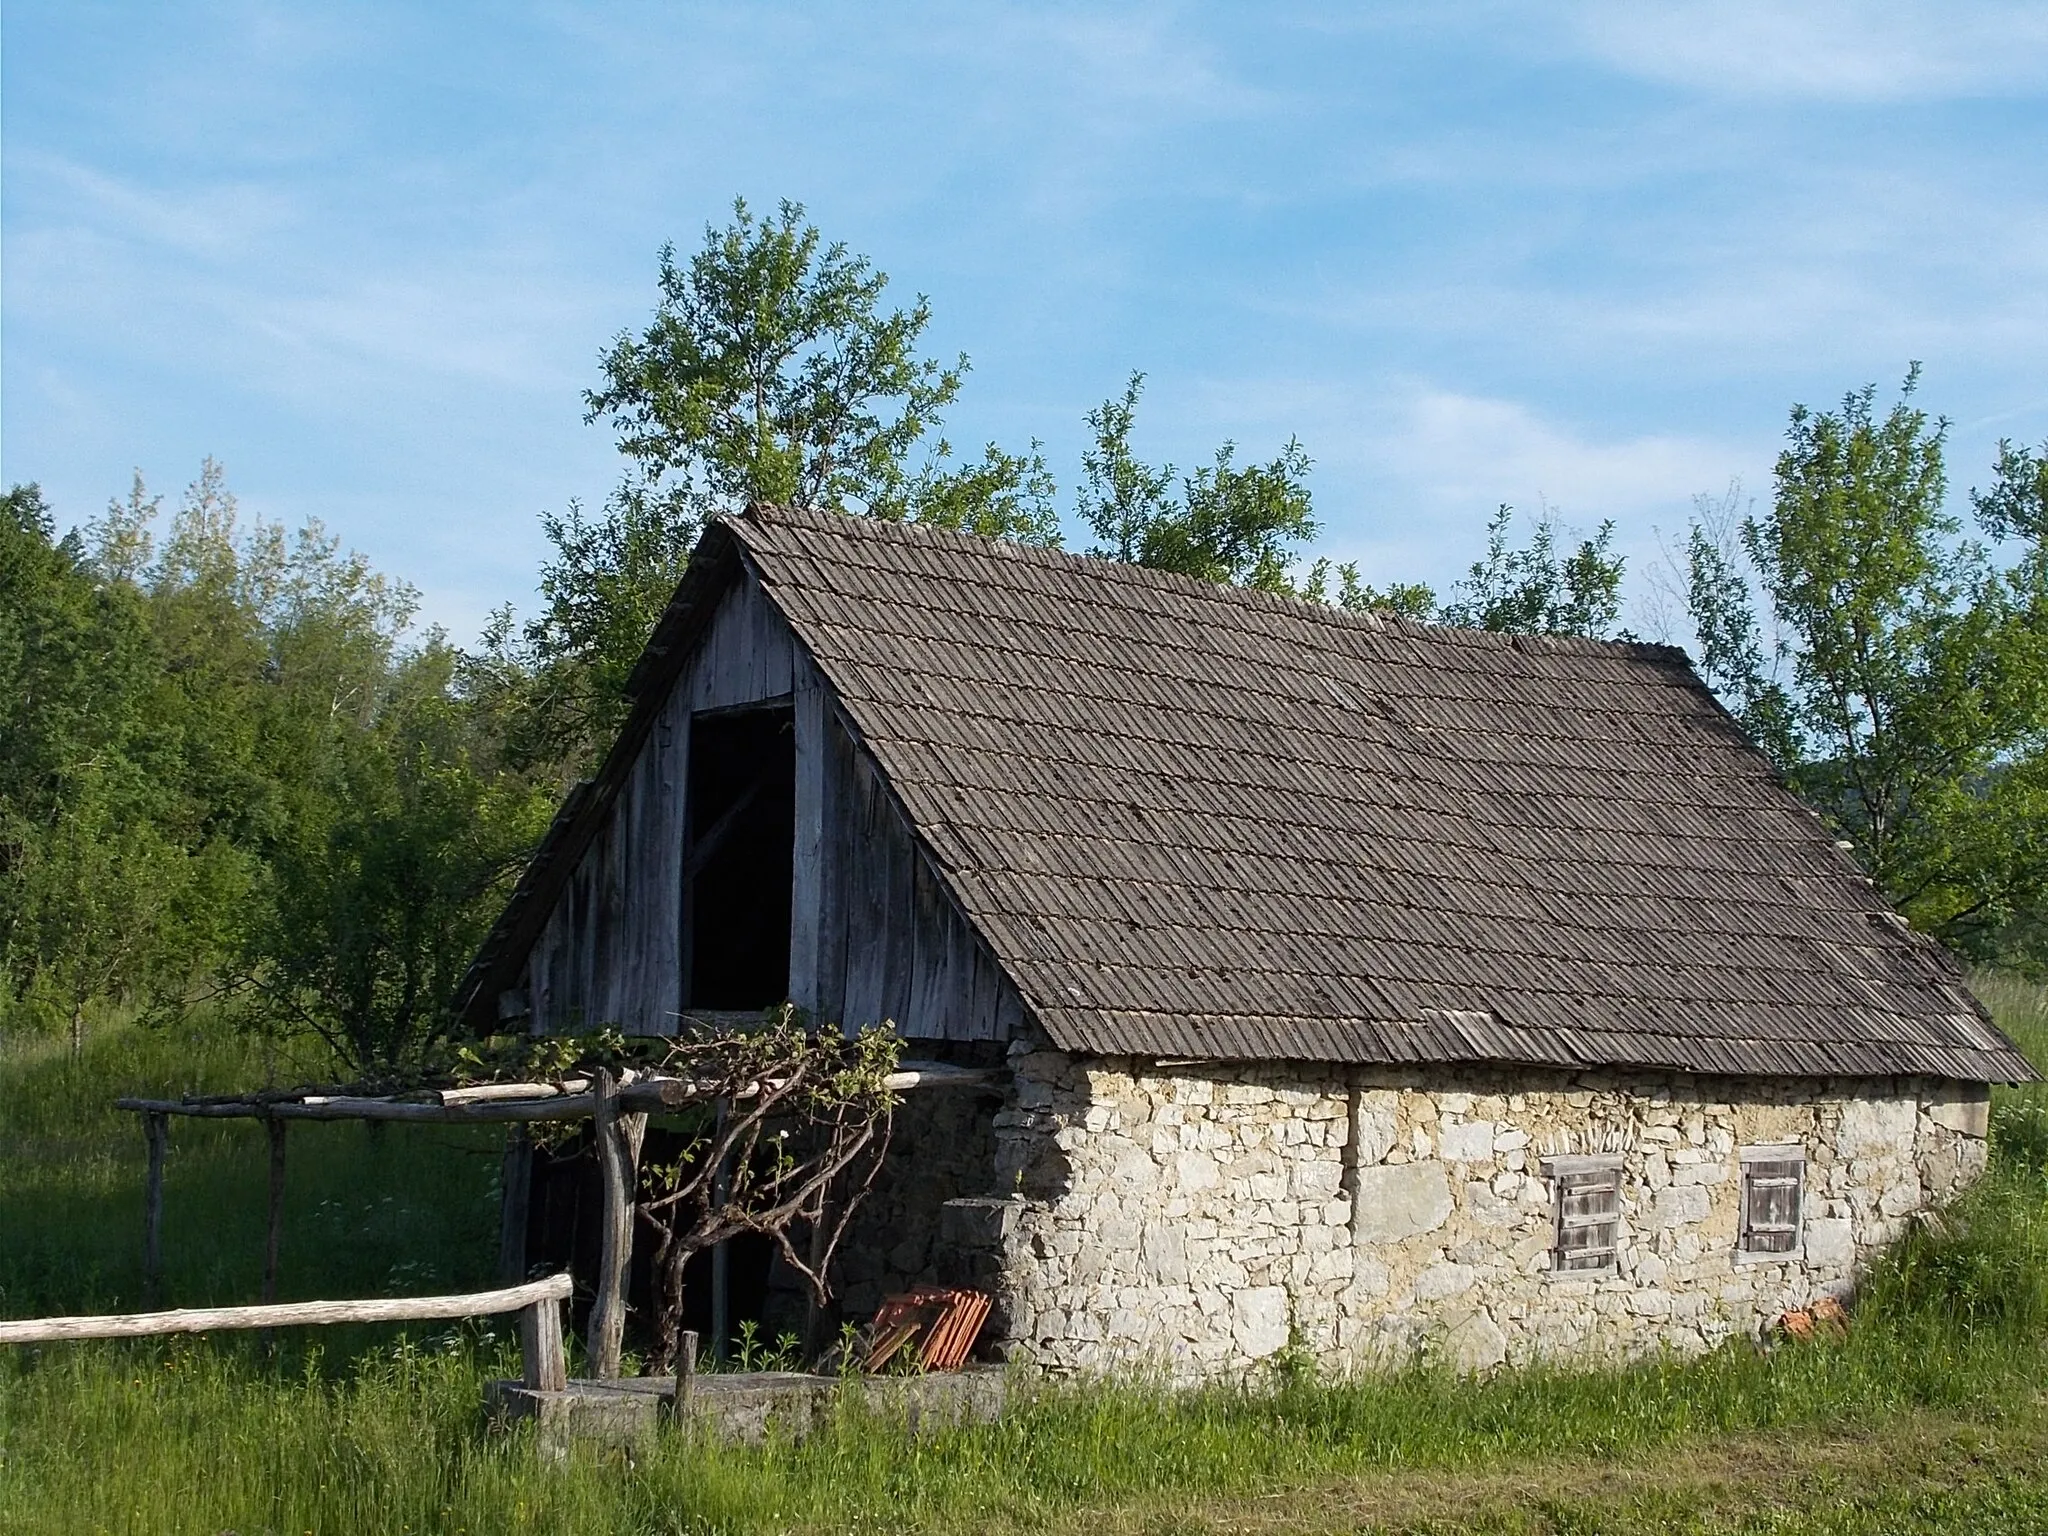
(1229, 523)
(1906, 693)
(223, 769)
(773, 371)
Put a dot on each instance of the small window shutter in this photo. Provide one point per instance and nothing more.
(1770, 1205)
(1588, 1218)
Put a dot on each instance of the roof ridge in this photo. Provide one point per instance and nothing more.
(1124, 572)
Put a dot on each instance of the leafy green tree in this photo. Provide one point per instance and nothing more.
(1915, 714)
(773, 371)
(1535, 591)
(1227, 523)
(93, 882)
(391, 875)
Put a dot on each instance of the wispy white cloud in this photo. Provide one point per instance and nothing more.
(1826, 50)
(1468, 451)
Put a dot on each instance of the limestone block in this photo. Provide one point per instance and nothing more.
(1440, 1281)
(1681, 1204)
(1877, 1126)
(1830, 1240)
(1400, 1201)
(1369, 1277)
(1487, 1208)
(1196, 1170)
(1510, 1140)
(1475, 1343)
(1258, 1323)
(1470, 1142)
(1901, 1199)
(1969, 1116)
(1164, 1253)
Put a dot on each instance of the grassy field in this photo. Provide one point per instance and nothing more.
(1931, 1416)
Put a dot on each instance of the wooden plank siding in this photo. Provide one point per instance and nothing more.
(874, 935)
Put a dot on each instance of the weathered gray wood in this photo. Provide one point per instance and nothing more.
(273, 1236)
(837, 766)
(543, 1366)
(289, 1314)
(515, 1198)
(686, 1370)
(156, 1130)
(721, 1257)
(806, 862)
(618, 1134)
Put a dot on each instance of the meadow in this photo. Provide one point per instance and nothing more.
(1931, 1415)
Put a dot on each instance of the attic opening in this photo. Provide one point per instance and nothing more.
(737, 863)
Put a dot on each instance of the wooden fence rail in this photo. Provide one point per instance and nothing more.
(538, 1303)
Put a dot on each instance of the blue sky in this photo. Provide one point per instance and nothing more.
(1574, 255)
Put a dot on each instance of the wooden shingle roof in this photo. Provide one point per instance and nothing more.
(1204, 822)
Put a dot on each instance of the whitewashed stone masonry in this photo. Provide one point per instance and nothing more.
(1199, 1218)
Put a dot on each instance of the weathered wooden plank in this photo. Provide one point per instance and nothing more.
(806, 896)
(924, 1001)
(273, 1237)
(515, 1197)
(156, 1130)
(866, 905)
(834, 865)
(290, 1314)
(618, 1136)
(898, 933)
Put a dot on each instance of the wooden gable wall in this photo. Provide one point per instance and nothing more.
(873, 936)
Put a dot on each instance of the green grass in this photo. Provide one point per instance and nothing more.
(1929, 1417)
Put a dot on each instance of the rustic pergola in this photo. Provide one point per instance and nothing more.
(618, 1104)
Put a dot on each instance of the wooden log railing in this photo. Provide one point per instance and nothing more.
(538, 1303)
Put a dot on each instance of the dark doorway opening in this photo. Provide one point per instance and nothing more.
(738, 860)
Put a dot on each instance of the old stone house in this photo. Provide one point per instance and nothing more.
(1360, 982)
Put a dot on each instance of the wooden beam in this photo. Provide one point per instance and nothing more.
(273, 1236)
(289, 1314)
(648, 1094)
(618, 1134)
(515, 1199)
(156, 1128)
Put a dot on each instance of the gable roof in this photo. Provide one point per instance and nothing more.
(1194, 821)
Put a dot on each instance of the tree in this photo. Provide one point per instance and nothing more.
(392, 873)
(771, 372)
(1915, 718)
(1531, 591)
(92, 880)
(1229, 523)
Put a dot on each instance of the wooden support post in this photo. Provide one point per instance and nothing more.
(542, 1365)
(156, 1128)
(814, 1314)
(686, 1371)
(515, 1196)
(274, 1235)
(721, 1259)
(618, 1155)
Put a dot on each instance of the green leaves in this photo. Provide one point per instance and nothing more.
(1531, 591)
(1915, 715)
(1230, 524)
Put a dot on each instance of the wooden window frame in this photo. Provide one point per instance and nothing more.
(1786, 1165)
(1576, 1185)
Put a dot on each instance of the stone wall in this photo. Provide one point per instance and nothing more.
(1196, 1218)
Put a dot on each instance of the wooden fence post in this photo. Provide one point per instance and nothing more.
(618, 1156)
(686, 1371)
(542, 1367)
(274, 1234)
(515, 1197)
(156, 1128)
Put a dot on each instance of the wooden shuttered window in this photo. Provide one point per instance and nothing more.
(1587, 1207)
(1772, 1184)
